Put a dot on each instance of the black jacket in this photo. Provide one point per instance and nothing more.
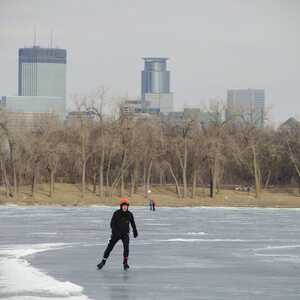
(120, 222)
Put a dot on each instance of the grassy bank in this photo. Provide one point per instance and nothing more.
(70, 195)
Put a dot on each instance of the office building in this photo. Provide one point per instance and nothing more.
(131, 107)
(34, 104)
(155, 86)
(42, 72)
(246, 105)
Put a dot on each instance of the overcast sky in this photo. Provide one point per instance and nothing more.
(213, 45)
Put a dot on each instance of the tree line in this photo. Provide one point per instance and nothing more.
(123, 153)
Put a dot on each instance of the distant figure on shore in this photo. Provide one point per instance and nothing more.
(120, 231)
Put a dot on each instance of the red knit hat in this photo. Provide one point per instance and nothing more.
(124, 201)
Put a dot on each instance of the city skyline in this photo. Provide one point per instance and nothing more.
(212, 46)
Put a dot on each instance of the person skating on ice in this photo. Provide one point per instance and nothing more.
(152, 203)
(120, 231)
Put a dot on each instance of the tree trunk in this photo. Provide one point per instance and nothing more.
(101, 177)
(132, 185)
(83, 183)
(194, 184)
(13, 166)
(95, 182)
(52, 174)
(114, 185)
(83, 162)
(145, 180)
(215, 180)
(214, 174)
(5, 179)
(257, 175)
(211, 185)
(184, 179)
(175, 179)
(108, 173)
(161, 174)
(15, 180)
(149, 175)
(122, 184)
(268, 179)
(33, 185)
(135, 172)
(122, 174)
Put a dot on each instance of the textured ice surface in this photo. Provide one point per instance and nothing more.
(181, 253)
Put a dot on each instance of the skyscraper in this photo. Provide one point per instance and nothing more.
(41, 87)
(155, 76)
(247, 105)
(155, 90)
(42, 72)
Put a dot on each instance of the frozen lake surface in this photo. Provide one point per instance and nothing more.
(181, 253)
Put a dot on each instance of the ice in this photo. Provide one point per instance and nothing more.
(180, 253)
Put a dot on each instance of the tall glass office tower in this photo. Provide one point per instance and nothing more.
(155, 76)
(155, 90)
(42, 72)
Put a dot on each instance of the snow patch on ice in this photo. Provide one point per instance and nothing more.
(204, 240)
(156, 224)
(19, 280)
(277, 247)
(276, 255)
(19, 251)
(289, 258)
(43, 298)
(44, 233)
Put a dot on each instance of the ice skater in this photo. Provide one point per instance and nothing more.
(152, 204)
(120, 231)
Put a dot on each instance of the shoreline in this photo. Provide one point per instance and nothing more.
(11, 205)
(37, 204)
(69, 195)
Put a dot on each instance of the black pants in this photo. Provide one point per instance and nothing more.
(113, 240)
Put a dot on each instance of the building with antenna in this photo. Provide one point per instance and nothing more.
(41, 86)
(42, 72)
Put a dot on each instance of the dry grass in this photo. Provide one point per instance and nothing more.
(70, 195)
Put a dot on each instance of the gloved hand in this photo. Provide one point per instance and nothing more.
(135, 234)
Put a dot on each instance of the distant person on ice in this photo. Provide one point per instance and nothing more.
(120, 231)
(151, 201)
(152, 204)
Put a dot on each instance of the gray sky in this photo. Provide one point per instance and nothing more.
(213, 45)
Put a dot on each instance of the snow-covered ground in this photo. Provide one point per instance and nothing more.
(181, 253)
